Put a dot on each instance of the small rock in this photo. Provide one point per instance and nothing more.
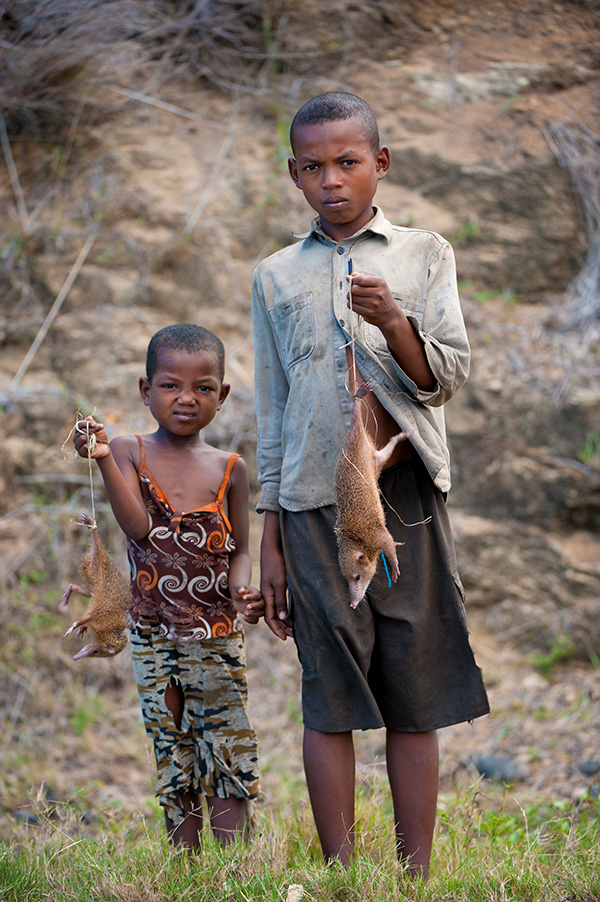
(589, 767)
(27, 817)
(500, 767)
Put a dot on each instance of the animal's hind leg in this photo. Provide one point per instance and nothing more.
(73, 588)
(383, 454)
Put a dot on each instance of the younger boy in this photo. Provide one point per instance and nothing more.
(355, 300)
(183, 506)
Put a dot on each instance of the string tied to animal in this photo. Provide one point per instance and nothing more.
(352, 345)
(82, 425)
(387, 570)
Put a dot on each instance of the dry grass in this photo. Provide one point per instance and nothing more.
(57, 54)
(577, 148)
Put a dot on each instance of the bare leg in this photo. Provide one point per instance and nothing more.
(188, 833)
(228, 818)
(329, 768)
(413, 770)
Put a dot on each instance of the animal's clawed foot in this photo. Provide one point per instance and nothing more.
(81, 628)
(73, 588)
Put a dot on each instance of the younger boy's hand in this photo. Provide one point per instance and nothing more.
(371, 298)
(249, 602)
(86, 428)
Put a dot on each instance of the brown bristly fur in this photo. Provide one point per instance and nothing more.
(360, 525)
(109, 595)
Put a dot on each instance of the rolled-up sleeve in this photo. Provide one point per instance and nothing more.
(271, 390)
(442, 332)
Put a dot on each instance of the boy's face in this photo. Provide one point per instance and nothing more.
(337, 170)
(185, 392)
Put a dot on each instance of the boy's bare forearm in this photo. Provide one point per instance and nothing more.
(124, 496)
(408, 351)
(129, 511)
(273, 583)
(240, 572)
(371, 298)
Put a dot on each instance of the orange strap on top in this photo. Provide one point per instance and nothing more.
(142, 452)
(230, 465)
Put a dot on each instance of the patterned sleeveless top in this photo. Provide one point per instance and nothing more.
(179, 571)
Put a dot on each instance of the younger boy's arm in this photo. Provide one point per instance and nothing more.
(273, 583)
(240, 565)
(120, 477)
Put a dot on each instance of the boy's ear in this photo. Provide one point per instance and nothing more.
(225, 389)
(144, 389)
(293, 170)
(383, 160)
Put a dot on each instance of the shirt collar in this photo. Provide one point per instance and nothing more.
(379, 225)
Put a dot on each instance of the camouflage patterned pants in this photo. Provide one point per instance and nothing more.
(214, 751)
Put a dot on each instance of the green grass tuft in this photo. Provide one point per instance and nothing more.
(548, 852)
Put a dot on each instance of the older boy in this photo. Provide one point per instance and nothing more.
(402, 658)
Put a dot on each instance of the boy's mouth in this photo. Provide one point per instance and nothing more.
(334, 203)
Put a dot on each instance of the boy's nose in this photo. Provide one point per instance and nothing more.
(331, 177)
(186, 396)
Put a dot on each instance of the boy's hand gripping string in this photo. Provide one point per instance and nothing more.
(83, 427)
(91, 443)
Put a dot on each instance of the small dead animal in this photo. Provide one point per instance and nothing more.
(109, 595)
(360, 524)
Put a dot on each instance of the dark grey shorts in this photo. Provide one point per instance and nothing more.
(402, 658)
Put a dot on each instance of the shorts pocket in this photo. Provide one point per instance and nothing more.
(294, 328)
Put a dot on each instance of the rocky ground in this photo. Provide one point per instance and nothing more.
(182, 201)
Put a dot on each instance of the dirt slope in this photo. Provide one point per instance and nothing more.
(183, 201)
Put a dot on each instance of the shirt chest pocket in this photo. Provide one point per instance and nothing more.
(294, 328)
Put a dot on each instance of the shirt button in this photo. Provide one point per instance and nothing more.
(340, 250)
(341, 322)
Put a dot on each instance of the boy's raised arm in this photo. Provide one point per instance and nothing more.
(373, 300)
(435, 355)
(120, 477)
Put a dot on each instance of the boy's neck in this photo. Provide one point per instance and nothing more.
(339, 232)
(165, 437)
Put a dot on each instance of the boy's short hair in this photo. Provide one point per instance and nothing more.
(184, 337)
(334, 105)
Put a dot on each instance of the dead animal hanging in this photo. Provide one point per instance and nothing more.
(109, 595)
(360, 529)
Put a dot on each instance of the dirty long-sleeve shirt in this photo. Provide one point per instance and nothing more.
(302, 325)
